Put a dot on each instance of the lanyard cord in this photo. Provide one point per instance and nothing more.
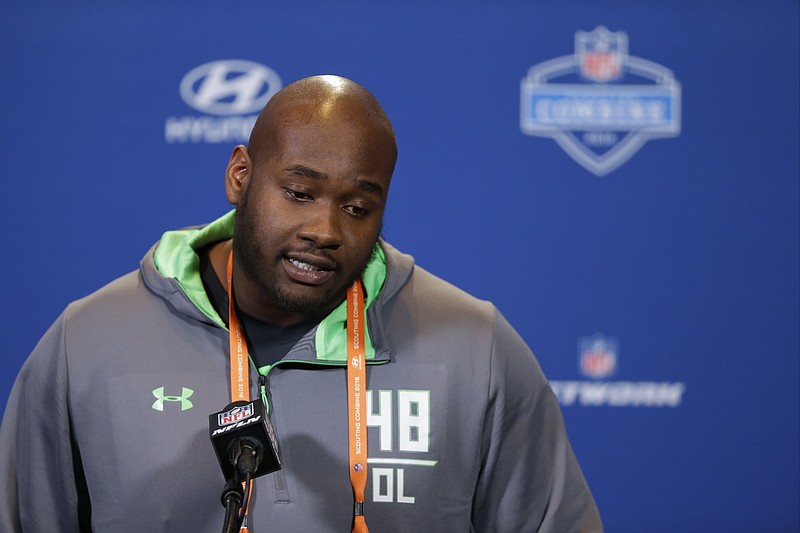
(240, 358)
(356, 385)
(240, 372)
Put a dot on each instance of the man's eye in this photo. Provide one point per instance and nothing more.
(297, 195)
(356, 210)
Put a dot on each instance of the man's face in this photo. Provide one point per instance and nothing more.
(311, 214)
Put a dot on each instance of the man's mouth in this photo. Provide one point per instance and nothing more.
(308, 271)
(304, 266)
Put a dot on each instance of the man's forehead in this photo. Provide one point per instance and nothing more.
(306, 119)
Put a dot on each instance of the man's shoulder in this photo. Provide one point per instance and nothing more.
(437, 287)
(426, 290)
(118, 293)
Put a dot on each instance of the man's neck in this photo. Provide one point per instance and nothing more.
(218, 256)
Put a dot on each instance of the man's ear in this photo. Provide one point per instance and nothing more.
(238, 173)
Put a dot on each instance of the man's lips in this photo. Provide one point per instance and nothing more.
(308, 269)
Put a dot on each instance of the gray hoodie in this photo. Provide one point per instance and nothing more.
(108, 419)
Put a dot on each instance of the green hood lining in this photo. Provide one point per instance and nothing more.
(176, 257)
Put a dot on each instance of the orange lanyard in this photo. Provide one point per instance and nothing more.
(240, 364)
(356, 385)
(240, 358)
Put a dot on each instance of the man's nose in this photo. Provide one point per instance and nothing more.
(322, 227)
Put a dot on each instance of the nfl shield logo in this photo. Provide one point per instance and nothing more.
(597, 356)
(601, 54)
(239, 412)
(599, 119)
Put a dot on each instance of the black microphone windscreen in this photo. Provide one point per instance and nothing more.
(240, 422)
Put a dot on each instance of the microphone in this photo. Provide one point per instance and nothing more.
(244, 441)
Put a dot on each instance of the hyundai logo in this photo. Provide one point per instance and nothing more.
(229, 87)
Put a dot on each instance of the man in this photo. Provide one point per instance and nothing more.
(106, 427)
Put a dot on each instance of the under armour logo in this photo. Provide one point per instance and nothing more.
(186, 393)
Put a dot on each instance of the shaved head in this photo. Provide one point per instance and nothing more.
(324, 98)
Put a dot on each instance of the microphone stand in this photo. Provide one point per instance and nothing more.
(245, 455)
(232, 501)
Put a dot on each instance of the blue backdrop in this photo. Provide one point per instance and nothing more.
(619, 177)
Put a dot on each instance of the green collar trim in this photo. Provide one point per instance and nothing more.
(176, 257)
(331, 335)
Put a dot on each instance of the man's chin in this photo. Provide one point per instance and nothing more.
(310, 305)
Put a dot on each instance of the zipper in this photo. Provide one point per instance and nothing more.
(279, 478)
(264, 371)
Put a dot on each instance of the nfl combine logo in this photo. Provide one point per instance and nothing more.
(600, 105)
(240, 412)
(597, 356)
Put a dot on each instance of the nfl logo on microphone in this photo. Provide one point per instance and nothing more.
(597, 356)
(240, 412)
